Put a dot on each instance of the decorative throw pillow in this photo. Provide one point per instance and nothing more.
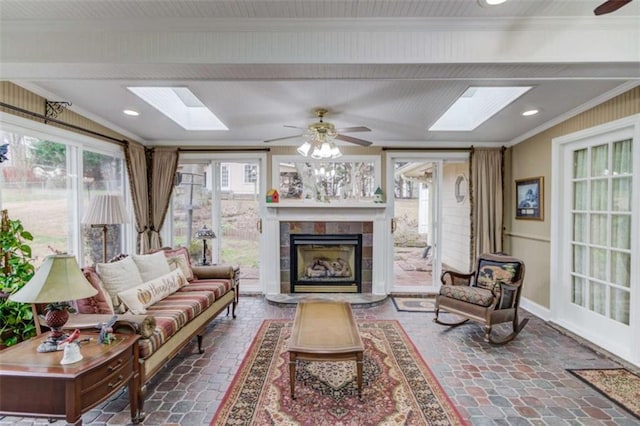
(490, 273)
(138, 298)
(179, 258)
(119, 276)
(151, 266)
(98, 304)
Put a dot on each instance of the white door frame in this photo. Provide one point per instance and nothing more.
(561, 231)
(437, 157)
(239, 157)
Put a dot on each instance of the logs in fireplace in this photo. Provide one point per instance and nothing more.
(328, 263)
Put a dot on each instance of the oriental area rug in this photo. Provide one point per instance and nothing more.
(618, 384)
(398, 387)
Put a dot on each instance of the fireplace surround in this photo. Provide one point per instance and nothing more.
(283, 219)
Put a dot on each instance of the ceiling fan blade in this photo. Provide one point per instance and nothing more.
(294, 127)
(610, 6)
(353, 129)
(351, 139)
(282, 139)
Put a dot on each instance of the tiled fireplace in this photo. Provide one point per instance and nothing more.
(368, 222)
(326, 257)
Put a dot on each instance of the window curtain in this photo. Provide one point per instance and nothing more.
(136, 156)
(164, 163)
(486, 189)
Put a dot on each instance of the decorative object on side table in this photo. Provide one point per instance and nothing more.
(71, 348)
(57, 281)
(105, 209)
(106, 330)
(204, 234)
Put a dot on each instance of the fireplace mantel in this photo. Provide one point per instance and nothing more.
(376, 213)
(320, 205)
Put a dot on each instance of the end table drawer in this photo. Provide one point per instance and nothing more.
(94, 391)
(124, 360)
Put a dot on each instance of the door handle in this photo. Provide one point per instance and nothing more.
(393, 225)
(259, 225)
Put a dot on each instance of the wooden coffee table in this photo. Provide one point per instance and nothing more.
(324, 331)
(34, 384)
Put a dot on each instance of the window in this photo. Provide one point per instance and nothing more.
(191, 207)
(594, 256)
(250, 173)
(102, 174)
(39, 187)
(601, 243)
(224, 177)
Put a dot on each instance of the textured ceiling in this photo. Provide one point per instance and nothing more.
(393, 66)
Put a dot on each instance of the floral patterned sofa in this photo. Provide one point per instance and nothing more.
(160, 296)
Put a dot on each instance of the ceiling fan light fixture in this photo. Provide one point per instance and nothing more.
(489, 3)
(304, 149)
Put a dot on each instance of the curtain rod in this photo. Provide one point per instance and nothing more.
(224, 149)
(46, 120)
(390, 148)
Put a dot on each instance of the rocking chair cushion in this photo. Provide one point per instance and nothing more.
(474, 295)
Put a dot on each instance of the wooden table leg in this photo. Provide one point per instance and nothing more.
(292, 373)
(359, 362)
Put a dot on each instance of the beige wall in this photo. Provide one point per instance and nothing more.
(456, 226)
(17, 96)
(530, 240)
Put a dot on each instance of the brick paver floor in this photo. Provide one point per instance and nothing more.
(522, 383)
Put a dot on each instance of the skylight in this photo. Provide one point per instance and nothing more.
(180, 105)
(475, 106)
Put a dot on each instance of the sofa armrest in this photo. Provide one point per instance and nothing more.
(213, 271)
(144, 325)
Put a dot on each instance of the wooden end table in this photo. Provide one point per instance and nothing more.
(324, 331)
(34, 384)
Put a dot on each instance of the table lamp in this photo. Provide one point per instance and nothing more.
(57, 281)
(105, 209)
(204, 234)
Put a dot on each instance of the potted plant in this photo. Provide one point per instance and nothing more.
(16, 270)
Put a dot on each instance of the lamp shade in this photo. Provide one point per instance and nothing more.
(205, 234)
(105, 209)
(59, 279)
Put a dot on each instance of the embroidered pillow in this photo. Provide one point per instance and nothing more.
(98, 304)
(139, 298)
(179, 258)
(118, 276)
(151, 266)
(490, 273)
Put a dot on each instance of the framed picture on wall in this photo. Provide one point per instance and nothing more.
(530, 198)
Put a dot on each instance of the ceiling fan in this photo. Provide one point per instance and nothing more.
(610, 6)
(322, 129)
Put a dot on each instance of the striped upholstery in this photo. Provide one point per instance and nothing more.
(173, 312)
(219, 287)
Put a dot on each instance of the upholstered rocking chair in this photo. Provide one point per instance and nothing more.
(490, 295)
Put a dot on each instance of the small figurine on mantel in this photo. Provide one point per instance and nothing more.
(378, 196)
(273, 196)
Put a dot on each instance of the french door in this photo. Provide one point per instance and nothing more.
(223, 192)
(596, 281)
(424, 206)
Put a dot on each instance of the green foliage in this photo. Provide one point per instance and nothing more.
(48, 153)
(17, 322)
